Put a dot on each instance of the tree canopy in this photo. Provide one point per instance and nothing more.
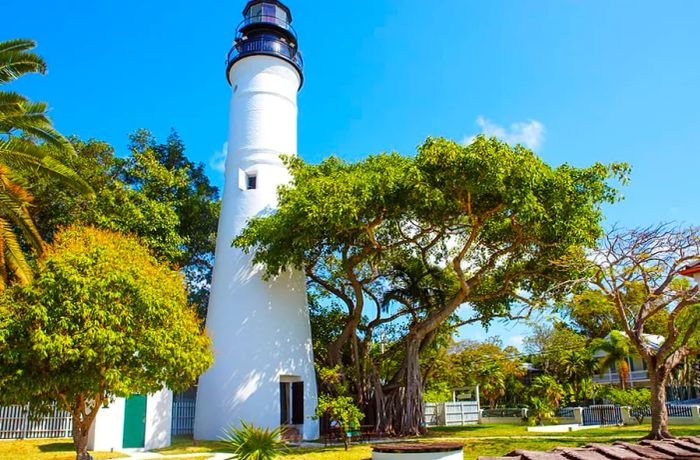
(155, 193)
(409, 240)
(102, 318)
(637, 271)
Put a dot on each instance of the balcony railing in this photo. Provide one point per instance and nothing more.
(266, 19)
(614, 377)
(265, 45)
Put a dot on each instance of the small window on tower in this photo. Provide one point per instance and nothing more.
(252, 183)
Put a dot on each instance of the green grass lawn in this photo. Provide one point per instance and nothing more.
(45, 449)
(624, 432)
(478, 440)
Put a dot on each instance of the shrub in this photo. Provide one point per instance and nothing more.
(638, 400)
(250, 442)
(540, 412)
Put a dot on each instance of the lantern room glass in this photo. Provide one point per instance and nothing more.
(267, 12)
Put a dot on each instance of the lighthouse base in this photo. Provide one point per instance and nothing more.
(263, 372)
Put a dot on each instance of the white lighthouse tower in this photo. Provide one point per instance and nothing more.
(263, 370)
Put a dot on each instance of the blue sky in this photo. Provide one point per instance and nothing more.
(578, 80)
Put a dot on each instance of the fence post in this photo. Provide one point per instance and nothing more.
(627, 418)
(578, 415)
(25, 421)
(695, 413)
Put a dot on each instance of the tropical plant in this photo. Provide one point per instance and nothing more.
(250, 442)
(493, 384)
(577, 367)
(540, 411)
(545, 388)
(617, 348)
(29, 146)
(102, 319)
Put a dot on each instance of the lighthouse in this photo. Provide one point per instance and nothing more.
(263, 370)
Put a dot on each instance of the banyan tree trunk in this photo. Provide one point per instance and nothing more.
(402, 403)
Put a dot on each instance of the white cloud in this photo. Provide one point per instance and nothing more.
(528, 133)
(516, 341)
(217, 162)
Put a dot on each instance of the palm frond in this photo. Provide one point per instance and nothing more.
(14, 202)
(20, 154)
(10, 99)
(16, 59)
(17, 44)
(13, 255)
(32, 120)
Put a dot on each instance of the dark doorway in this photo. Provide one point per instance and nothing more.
(292, 403)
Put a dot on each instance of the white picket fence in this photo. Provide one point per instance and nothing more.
(16, 423)
(451, 413)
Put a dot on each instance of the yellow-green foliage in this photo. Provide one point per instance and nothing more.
(102, 317)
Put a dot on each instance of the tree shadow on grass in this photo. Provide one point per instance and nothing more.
(57, 447)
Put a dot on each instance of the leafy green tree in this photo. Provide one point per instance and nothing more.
(29, 149)
(343, 411)
(155, 193)
(496, 369)
(595, 316)
(637, 270)
(549, 346)
(102, 319)
(617, 348)
(475, 225)
(336, 406)
(195, 202)
(592, 314)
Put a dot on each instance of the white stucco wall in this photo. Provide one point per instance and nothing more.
(107, 430)
(159, 409)
(260, 329)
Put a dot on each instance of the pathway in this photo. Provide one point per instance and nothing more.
(194, 456)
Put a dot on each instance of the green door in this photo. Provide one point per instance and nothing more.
(135, 422)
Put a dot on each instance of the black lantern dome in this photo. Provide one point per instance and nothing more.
(266, 30)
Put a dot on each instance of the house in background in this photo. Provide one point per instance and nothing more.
(692, 271)
(638, 371)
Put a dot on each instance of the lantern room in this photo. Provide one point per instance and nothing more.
(266, 29)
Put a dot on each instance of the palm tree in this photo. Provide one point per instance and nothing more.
(29, 145)
(492, 382)
(617, 347)
(577, 367)
(546, 388)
